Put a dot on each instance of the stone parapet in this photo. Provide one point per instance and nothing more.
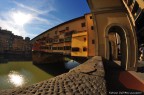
(88, 78)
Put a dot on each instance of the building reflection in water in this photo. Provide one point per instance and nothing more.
(16, 79)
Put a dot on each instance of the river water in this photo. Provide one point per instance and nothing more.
(19, 74)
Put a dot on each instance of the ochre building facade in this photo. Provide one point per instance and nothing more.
(75, 37)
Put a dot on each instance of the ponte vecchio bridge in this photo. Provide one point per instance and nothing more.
(108, 31)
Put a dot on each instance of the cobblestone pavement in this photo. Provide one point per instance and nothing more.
(86, 79)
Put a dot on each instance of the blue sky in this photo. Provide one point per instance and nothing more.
(32, 17)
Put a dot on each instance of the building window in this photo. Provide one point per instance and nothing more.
(90, 17)
(68, 39)
(84, 49)
(92, 28)
(67, 47)
(55, 32)
(50, 47)
(60, 48)
(93, 41)
(54, 48)
(67, 28)
(83, 24)
(55, 40)
(61, 40)
(84, 39)
(75, 49)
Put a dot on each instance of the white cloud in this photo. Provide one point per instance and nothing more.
(49, 7)
(21, 18)
(9, 25)
(15, 22)
(45, 21)
(16, 29)
(18, 18)
(34, 10)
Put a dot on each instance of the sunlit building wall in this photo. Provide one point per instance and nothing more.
(13, 43)
(67, 38)
(5, 40)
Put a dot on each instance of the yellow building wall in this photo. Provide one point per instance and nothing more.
(141, 3)
(74, 25)
(80, 33)
(79, 42)
(91, 35)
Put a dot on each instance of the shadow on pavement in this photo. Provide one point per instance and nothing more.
(112, 72)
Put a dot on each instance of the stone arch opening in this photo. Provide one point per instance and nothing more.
(112, 52)
(128, 45)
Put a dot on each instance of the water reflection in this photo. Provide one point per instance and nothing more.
(19, 74)
(71, 64)
(16, 79)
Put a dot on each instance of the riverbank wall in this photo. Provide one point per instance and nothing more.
(22, 56)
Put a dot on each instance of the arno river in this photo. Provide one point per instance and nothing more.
(19, 74)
